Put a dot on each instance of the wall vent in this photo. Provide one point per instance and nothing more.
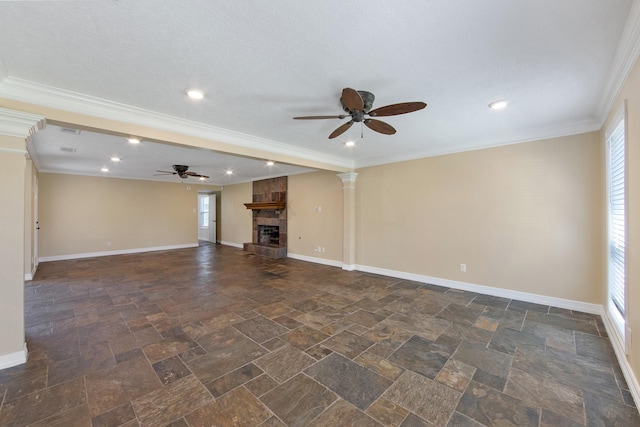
(70, 130)
(68, 149)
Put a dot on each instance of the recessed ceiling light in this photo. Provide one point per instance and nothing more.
(229, 172)
(202, 178)
(133, 140)
(195, 94)
(104, 170)
(115, 159)
(498, 105)
(350, 143)
(270, 163)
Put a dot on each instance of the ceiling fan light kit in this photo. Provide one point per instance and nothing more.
(358, 104)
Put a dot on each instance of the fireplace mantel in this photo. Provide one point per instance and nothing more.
(274, 206)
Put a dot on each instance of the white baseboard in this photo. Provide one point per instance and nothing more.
(28, 277)
(488, 290)
(14, 359)
(618, 348)
(315, 260)
(117, 252)
(235, 245)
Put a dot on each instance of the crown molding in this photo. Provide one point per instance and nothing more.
(19, 124)
(625, 58)
(35, 93)
(576, 128)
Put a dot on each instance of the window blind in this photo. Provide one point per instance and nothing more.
(617, 227)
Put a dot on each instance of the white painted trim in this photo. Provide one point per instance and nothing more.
(315, 260)
(349, 267)
(28, 277)
(619, 349)
(235, 245)
(39, 94)
(14, 359)
(117, 252)
(488, 290)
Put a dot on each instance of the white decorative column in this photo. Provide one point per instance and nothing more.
(348, 220)
(15, 129)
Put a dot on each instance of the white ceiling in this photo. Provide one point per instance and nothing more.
(262, 63)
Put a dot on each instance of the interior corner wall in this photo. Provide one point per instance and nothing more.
(314, 204)
(236, 219)
(85, 215)
(30, 215)
(630, 93)
(525, 217)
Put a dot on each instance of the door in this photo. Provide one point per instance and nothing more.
(207, 217)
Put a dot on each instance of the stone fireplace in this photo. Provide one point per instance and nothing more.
(269, 207)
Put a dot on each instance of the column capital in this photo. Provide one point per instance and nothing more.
(20, 124)
(348, 179)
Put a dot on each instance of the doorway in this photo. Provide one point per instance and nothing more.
(207, 217)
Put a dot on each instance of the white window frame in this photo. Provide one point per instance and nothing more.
(616, 317)
(201, 212)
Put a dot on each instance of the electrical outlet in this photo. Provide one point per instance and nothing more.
(463, 268)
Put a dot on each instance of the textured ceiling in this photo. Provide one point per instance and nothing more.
(262, 63)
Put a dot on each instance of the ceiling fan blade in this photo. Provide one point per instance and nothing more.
(165, 173)
(395, 109)
(342, 116)
(379, 126)
(197, 175)
(352, 99)
(342, 129)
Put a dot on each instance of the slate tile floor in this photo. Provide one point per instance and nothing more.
(215, 336)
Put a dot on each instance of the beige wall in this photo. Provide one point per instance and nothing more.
(525, 217)
(80, 214)
(13, 170)
(310, 227)
(631, 93)
(30, 217)
(235, 217)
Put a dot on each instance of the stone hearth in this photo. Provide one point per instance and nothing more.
(269, 237)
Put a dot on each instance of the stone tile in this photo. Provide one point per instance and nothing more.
(494, 381)
(469, 333)
(237, 408)
(74, 417)
(261, 385)
(460, 420)
(428, 399)
(343, 413)
(170, 370)
(299, 400)
(487, 324)
(167, 347)
(422, 356)
(365, 318)
(307, 305)
(284, 363)
(425, 326)
(172, 402)
(456, 375)
(274, 344)
(260, 329)
(354, 383)
(492, 408)
(304, 337)
(287, 322)
(528, 306)
(507, 340)
(594, 347)
(318, 352)
(273, 422)
(546, 393)
(233, 379)
(115, 417)
(580, 325)
(227, 350)
(460, 314)
(602, 411)
(511, 319)
(413, 420)
(113, 387)
(491, 301)
(389, 335)
(551, 419)
(379, 365)
(491, 361)
(387, 412)
(558, 338)
(46, 403)
(347, 344)
(273, 310)
(24, 379)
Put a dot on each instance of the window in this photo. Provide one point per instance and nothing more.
(617, 234)
(204, 210)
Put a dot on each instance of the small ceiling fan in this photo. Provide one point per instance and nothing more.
(358, 103)
(181, 171)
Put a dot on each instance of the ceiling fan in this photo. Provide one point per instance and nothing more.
(181, 171)
(358, 103)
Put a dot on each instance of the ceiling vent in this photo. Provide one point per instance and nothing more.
(68, 149)
(70, 130)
